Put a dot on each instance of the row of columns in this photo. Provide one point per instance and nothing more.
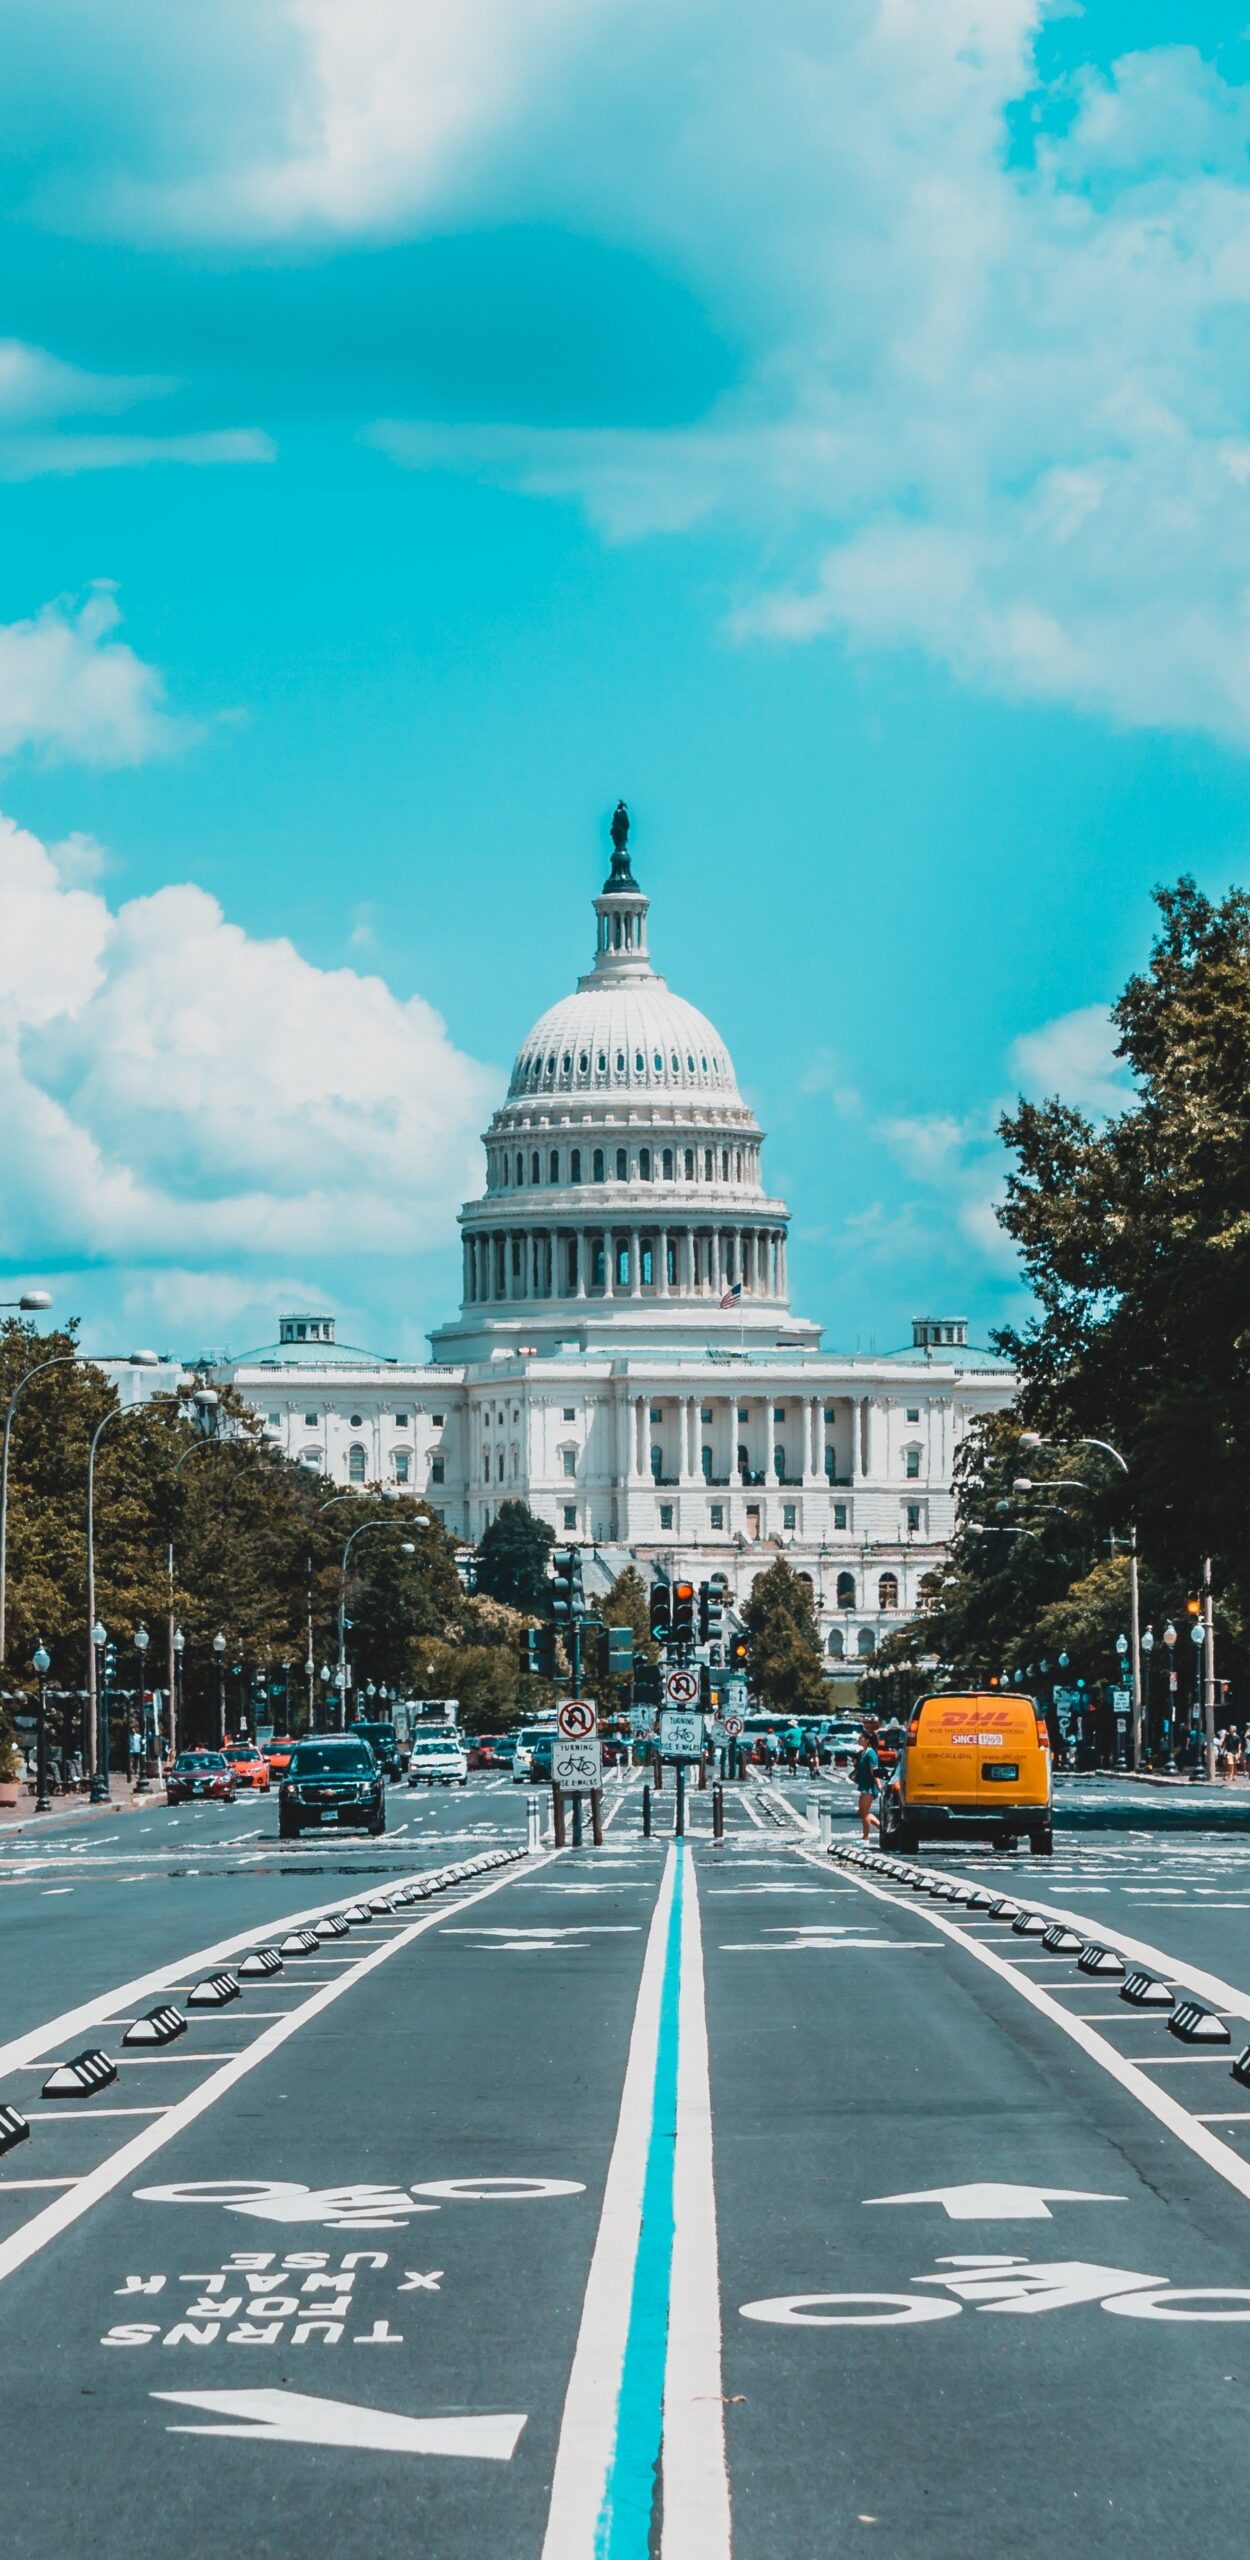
(686, 1262)
(803, 1435)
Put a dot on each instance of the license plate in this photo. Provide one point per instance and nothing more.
(331, 1815)
(1001, 1769)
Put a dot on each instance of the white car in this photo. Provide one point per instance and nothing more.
(523, 1750)
(439, 1758)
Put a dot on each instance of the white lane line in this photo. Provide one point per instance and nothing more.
(588, 2427)
(27, 2186)
(694, 2474)
(84, 2113)
(101, 2181)
(1188, 2129)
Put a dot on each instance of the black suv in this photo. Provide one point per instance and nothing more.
(332, 1779)
(383, 1742)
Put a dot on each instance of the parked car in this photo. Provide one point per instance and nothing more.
(385, 1745)
(201, 1773)
(440, 1759)
(251, 1769)
(332, 1779)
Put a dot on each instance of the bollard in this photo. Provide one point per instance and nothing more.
(718, 1813)
(596, 1817)
(533, 1825)
(702, 1774)
(646, 1808)
(825, 1820)
(812, 1809)
(557, 1817)
(679, 1810)
(577, 1822)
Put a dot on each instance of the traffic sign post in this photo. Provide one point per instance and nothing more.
(575, 1719)
(682, 1734)
(681, 1688)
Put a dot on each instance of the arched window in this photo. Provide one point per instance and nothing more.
(658, 1063)
(835, 1644)
(865, 1642)
(401, 1466)
(520, 1169)
(707, 1164)
(887, 1591)
(912, 1457)
(535, 1175)
(553, 1167)
(640, 1063)
(690, 1164)
(504, 1167)
(622, 1165)
(846, 1591)
(644, 1164)
(668, 1164)
(724, 1164)
(575, 1165)
(597, 1164)
(486, 1467)
(355, 1464)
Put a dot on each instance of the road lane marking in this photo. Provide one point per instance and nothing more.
(98, 2182)
(292, 2417)
(694, 2472)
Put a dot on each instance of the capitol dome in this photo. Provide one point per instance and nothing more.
(623, 1183)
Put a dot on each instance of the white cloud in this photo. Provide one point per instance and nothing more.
(38, 391)
(34, 457)
(179, 1098)
(69, 687)
(1074, 1058)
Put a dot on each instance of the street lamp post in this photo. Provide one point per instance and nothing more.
(1035, 1440)
(1169, 1638)
(1121, 1646)
(219, 1649)
(178, 1648)
(1147, 1649)
(1204, 1708)
(143, 1784)
(408, 1549)
(41, 1663)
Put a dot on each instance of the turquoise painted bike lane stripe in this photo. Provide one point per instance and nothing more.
(624, 2527)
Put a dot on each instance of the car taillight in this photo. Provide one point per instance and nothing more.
(1043, 1733)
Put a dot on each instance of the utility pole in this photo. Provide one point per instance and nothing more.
(1208, 1667)
(1135, 1643)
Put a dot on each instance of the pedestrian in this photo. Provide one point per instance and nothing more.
(867, 1775)
(793, 1746)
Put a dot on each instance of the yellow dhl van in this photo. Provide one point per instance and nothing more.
(976, 1762)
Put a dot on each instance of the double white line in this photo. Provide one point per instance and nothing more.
(644, 2414)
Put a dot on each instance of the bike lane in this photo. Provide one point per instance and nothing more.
(962, 2272)
(345, 2301)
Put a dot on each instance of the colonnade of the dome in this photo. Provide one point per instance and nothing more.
(625, 1261)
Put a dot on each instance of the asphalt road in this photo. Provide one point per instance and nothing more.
(644, 2201)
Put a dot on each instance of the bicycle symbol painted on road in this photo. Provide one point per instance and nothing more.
(1007, 2284)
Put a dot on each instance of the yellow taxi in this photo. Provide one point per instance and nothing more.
(976, 1762)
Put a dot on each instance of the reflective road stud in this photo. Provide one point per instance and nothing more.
(80, 2078)
(159, 2026)
(300, 1943)
(1096, 1959)
(262, 1960)
(1061, 1941)
(1144, 1991)
(13, 2129)
(1029, 1924)
(213, 1992)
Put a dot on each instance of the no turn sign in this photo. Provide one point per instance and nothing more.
(575, 1719)
(732, 1726)
(681, 1688)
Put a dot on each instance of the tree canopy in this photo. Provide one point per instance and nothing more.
(784, 1663)
(512, 1559)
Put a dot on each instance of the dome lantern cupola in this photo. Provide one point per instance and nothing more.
(621, 948)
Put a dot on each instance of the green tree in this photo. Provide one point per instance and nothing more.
(1135, 1237)
(627, 1604)
(512, 1558)
(784, 1665)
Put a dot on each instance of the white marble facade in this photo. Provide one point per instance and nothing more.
(594, 1369)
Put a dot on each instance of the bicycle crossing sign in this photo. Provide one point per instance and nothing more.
(575, 1719)
(681, 1688)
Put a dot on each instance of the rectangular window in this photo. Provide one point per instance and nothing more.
(311, 1421)
(570, 1413)
(570, 1515)
(657, 1413)
(486, 1468)
(913, 1515)
(742, 1413)
(716, 1515)
(666, 1515)
(828, 1413)
(779, 1413)
(913, 1413)
(913, 1464)
(789, 1515)
(705, 1413)
(569, 1461)
(436, 1470)
(647, 1259)
(401, 1421)
(273, 1420)
(437, 1420)
(839, 1515)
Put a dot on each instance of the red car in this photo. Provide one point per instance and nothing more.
(482, 1750)
(278, 1754)
(200, 1773)
(251, 1769)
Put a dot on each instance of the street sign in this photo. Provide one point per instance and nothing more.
(681, 1688)
(642, 1719)
(732, 1726)
(681, 1734)
(577, 1767)
(1122, 1701)
(718, 1734)
(575, 1719)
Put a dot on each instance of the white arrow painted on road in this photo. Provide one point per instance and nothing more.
(995, 2202)
(292, 2417)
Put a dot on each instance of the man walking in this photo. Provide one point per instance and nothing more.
(867, 1775)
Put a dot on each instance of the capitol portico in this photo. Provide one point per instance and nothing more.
(625, 1359)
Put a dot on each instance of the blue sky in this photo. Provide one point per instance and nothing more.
(417, 427)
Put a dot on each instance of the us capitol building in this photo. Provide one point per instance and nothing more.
(625, 1359)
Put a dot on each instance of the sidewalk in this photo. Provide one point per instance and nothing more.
(21, 1817)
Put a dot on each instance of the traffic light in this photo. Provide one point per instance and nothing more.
(738, 1650)
(661, 1613)
(683, 1613)
(567, 1598)
(647, 1685)
(712, 1609)
(616, 1653)
(705, 1689)
(538, 1652)
(110, 1662)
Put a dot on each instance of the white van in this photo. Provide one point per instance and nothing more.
(439, 1758)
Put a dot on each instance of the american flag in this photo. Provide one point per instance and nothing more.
(732, 1296)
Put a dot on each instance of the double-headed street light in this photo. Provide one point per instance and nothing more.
(1035, 1440)
(143, 1784)
(219, 1654)
(41, 1664)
